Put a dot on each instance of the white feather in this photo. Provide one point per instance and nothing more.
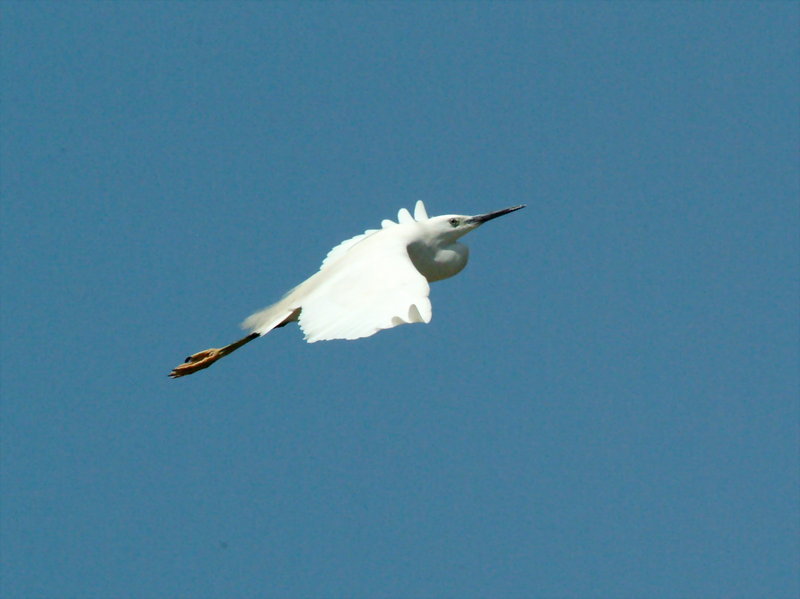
(377, 287)
(340, 250)
(404, 216)
(419, 211)
(368, 292)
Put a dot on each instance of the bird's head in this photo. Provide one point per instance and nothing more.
(452, 226)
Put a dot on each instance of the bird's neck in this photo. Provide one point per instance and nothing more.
(438, 261)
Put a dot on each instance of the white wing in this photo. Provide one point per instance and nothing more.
(341, 249)
(373, 286)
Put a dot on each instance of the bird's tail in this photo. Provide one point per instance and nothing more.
(272, 317)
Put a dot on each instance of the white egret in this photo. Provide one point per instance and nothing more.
(374, 281)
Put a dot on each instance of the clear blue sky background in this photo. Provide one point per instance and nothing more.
(605, 403)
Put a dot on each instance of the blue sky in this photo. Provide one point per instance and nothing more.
(605, 403)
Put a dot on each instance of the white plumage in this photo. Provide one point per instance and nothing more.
(376, 280)
(365, 284)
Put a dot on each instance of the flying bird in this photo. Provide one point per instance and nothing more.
(374, 281)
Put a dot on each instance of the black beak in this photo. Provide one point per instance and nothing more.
(482, 218)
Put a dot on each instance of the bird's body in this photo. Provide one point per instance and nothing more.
(374, 281)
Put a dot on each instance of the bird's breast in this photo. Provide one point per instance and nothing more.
(437, 263)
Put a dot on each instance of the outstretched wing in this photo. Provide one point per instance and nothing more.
(374, 287)
(341, 249)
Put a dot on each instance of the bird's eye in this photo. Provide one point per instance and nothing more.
(453, 222)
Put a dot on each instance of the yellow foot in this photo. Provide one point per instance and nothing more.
(198, 361)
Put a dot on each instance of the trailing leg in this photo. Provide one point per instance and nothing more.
(207, 357)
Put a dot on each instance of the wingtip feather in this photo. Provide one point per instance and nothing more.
(420, 213)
